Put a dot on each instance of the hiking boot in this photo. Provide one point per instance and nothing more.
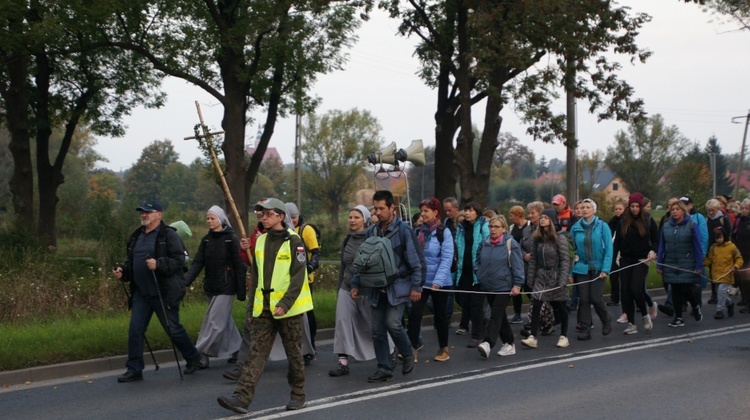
(623, 319)
(308, 358)
(630, 329)
(409, 363)
(516, 319)
(507, 350)
(296, 405)
(530, 342)
(130, 376)
(380, 376)
(340, 370)
(232, 403)
(442, 355)
(192, 366)
(668, 310)
(607, 328)
(232, 375)
(719, 315)
(484, 349)
(697, 314)
(585, 335)
(563, 342)
(648, 325)
(730, 310)
(473, 343)
(676, 323)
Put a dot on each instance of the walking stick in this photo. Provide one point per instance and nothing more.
(208, 137)
(145, 339)
(166, 321)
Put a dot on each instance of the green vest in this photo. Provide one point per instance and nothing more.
(280, 280)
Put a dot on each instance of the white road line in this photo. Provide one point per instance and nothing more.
(427, 383)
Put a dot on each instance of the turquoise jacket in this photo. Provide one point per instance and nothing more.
(594, 256)
(480, 231)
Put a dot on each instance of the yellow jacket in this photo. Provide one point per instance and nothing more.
(722, 258)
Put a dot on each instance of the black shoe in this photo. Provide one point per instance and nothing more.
(408, 365)
(667, 310)
(232, 375)
(308, 358)
(607, 328)
(712, 300)
(296, 405)
(525, 333)
(232, 359)
(192, 366)
(130, 376)
(380, 376)
(613, 303)
(719, 315)
(697, 314)
(203, 363)
(232, 403)
(676, 323)
(340, 370)
(584, 335)
(473, 343)
(730, 310)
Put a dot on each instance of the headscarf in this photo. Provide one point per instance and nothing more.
(221, 215)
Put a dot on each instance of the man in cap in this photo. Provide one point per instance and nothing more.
(155, 258)
(565, 218)
(281, 295)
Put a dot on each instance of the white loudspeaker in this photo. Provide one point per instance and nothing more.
(385, 155)
(414, 153)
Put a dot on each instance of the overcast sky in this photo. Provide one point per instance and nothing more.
(697, 79)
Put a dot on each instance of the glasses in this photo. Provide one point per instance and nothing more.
(262, 214)
(496, 226)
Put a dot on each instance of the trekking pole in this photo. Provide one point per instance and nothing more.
(145, 339)
(166, 321)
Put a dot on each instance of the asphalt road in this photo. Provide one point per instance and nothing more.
(694, 372)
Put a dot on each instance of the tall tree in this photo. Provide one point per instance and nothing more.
(588, 163)
(144, 179)
(510, 151)
(722, 168)
(246, 54)
(334, 151)
(645, 153)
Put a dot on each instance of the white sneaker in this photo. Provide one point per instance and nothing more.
(630, 329)
(529, 341)
(647, 324)
(484, 349)
(623, 319)
(652, 310)
(507, 350)
(563, 342)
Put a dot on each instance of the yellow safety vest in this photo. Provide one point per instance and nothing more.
(280, 280)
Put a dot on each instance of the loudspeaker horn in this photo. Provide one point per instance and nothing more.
(385, 155)
(414, 153)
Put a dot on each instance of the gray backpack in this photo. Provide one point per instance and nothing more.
(376, 262)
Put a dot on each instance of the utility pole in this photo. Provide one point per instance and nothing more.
(571, 158)
(712, 162)
(735, 120)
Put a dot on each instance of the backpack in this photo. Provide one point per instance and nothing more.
(315, 228)
(440, 235)
(376, 261)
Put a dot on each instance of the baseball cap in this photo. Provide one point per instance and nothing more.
(558, 199)
(149, 206)
(270, 204)
(686, 199)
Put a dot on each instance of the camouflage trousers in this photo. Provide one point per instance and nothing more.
(263, 331)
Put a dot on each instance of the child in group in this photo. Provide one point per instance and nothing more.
(724, 259)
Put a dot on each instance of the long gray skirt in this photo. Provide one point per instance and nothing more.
(353, 333)
(219, 336)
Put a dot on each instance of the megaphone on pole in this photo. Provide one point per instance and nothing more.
(414, 153)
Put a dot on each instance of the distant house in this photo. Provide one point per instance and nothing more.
(744, 180)
(271, 153)
(608, 182)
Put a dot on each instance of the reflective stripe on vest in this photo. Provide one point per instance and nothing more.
(279, 281)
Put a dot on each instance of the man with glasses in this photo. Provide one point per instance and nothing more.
(281, 295)
(155, 258)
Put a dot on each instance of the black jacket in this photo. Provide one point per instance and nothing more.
(225, 273)
(170, 260)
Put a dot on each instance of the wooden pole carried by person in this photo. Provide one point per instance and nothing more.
(207, 137)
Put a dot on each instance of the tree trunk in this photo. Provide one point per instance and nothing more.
(233, 123)
(465, 141)
(47, 178)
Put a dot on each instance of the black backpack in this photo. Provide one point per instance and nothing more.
(315, 228)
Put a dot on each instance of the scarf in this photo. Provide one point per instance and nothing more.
(496, 242)
(425, 232)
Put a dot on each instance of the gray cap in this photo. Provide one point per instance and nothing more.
(270, 204)
(292, 209)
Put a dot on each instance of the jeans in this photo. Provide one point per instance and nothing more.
(591, 294)
(140, 317)
(386, 319)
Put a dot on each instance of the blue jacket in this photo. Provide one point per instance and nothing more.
(497, 269)
(680, 246)
(480, 232)
(438, 258)
(596, 256)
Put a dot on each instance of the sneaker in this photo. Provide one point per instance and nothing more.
(668, 310)
(623, 319)
(630, 329)
(529, 342)
(648, 325)
(296, 405)
(473, 343)
(563, 342)
(380, 376)
(697, 314)
(442, 355)
(677, 322)
(232, 375)
(462, 331)
(652, 311)
(340, 370)
(730, 310)
(408, 366)
(130, 376)
(585, 335)
(507, 350)
(719, 315)
(232, 403)
(484, 349)
(516, 319)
